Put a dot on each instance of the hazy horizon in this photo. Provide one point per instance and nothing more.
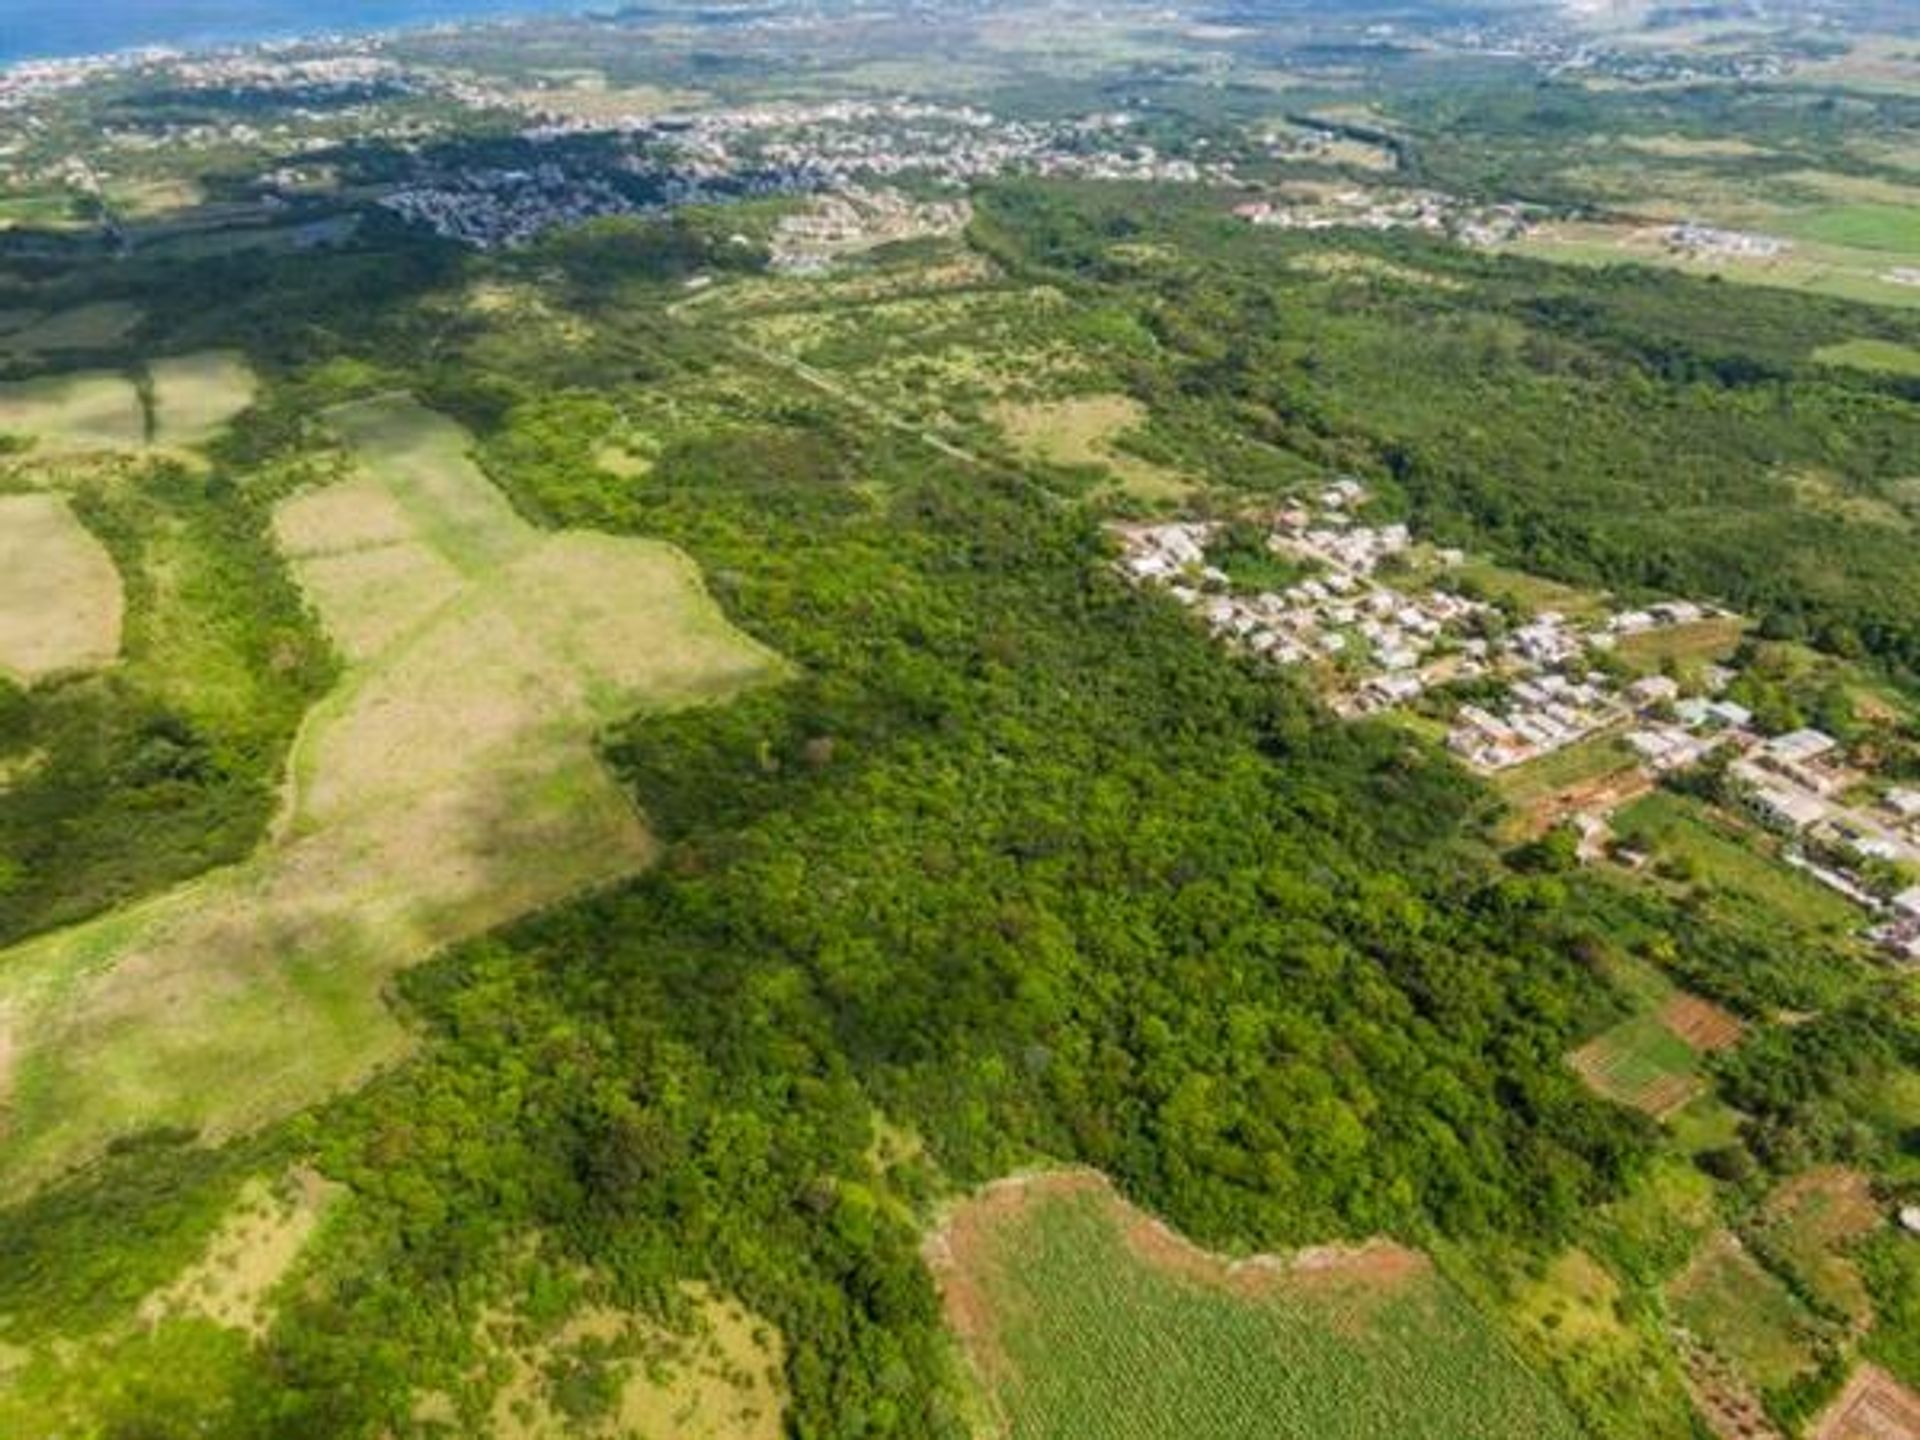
(53, 29)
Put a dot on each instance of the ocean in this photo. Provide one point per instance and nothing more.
(43, 29)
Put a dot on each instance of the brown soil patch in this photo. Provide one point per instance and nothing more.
(1599, 797)
(1835, 1204)
(60, 595)
(1874, 1406)
(1701, 1023)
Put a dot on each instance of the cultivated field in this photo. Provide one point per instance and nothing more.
(1082, 1316)
(449, 784)
(1874, 1406)
(1650, 1061)
(60, 596)
(1640, 1062)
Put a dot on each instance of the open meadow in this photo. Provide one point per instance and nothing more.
(1082, 1316)
(60, 595)
(449, 784)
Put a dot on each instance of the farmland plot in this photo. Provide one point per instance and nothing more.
(60, 595)
(1081, 1317)
(449, 784)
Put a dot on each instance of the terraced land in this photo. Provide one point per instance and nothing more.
(1082, 1316)
(449, 784)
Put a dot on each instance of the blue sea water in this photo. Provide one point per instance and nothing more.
(40, 29)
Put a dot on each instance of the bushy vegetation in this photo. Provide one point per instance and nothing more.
(1022, 863)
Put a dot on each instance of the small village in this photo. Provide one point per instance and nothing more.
(1317, 208)
(1380, 623)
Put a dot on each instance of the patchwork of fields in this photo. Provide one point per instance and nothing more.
(187, 400)
(448, 785)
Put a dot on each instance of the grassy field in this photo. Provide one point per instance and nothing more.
(87, 410)
(29, 334)
(1807, 1228)
(60, 595)
(1641, 1062)
(1083, 1317)
(1881, 355)
(1841, 271)
(1533, 593)
(1894, 229)
(1744, 1315)
(449, 784)
(1730, 856)
(1083, 431)
(1704, 641)
(194, 396)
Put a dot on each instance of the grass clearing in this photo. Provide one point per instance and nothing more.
(253, 1251)
(1894, 229)
(1533, 593)
(1717, 850)
(1807, 1227)
(449, 784)
(1594, 773)
(1699, 643)
(1573, 1314)
(60, 595)
(194, 396)
(1882, 355)
(1085, 431)
(608, 1372)
(1082, 1316)
(86, 410)
(1744, 1315)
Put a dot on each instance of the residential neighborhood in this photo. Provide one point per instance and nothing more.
(1379, 623)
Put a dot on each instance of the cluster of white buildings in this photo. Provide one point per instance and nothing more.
(1379, 646)
(837, 144)
(1377, 636)
(859, 219)
(1709, 242)
(1424, 210)
(489, 209)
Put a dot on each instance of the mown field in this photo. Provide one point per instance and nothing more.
(1082, 1316)
(448, 784)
